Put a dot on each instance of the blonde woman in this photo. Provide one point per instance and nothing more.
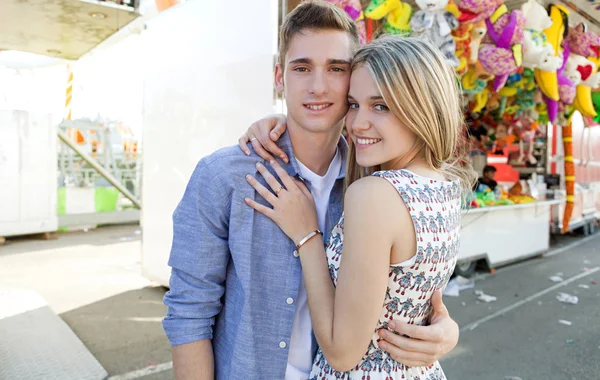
(398, 239)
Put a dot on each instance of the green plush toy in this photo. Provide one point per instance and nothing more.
(596, 102)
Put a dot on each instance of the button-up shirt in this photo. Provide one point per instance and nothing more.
(234, 271)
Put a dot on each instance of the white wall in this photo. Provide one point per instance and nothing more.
(208, 76)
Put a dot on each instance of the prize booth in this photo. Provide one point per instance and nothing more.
(529, 74)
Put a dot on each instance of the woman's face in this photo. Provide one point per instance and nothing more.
(379, 137)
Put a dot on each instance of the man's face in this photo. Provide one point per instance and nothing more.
(316, 79)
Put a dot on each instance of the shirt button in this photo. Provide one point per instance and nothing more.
(289, 301)
(296, 254)
(282, 344)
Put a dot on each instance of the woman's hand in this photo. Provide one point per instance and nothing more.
(293, 209)
(263, 134)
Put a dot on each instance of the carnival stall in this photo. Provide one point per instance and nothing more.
(528, 71)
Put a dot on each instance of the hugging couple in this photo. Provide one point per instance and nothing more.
(326, 260)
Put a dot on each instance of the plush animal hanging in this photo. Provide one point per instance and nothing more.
(501, 52)
(354, 10)
(556, 87)
(468, 37)
(580, 69)
(538, 53)
(525, 129)
(396, 13)
(555, 34)
(437, 23)
(596, 101)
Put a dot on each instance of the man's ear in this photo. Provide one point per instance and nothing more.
(279, 78)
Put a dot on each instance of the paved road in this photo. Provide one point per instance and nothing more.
(117, 313)
(520, 334)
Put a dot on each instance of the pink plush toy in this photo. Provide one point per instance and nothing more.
(354, 9)
(501, 52)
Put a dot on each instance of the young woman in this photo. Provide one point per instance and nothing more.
(397, 241)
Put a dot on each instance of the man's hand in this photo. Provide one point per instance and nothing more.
(426, 344)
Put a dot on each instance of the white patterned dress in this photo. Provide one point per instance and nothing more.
(435, 210)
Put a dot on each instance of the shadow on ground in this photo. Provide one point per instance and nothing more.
(124, 332)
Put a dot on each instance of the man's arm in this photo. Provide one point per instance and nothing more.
(199, 258)
(194, 361)
(426, 344)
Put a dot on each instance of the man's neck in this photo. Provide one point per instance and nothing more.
(315, 150)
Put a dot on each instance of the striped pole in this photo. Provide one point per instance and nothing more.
(567, 136)
(69, 94)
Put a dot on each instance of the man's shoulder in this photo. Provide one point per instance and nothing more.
(230, 160)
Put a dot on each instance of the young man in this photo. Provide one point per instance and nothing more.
(237, 306)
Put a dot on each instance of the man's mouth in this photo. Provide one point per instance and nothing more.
(317, 106)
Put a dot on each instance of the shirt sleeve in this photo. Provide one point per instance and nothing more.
(199, 258)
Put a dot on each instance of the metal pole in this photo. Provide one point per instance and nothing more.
(103, 172)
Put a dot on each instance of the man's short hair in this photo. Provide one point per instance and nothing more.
(489, 168)
(315, 15)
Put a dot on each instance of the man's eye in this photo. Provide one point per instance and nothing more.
(301, 69)
(337, 69)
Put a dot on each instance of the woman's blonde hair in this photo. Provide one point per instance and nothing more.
(422, 91)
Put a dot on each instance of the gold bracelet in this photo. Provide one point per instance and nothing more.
(307, 238)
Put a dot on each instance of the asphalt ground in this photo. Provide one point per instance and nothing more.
(92, 280)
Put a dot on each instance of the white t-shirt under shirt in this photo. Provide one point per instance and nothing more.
(300, 352)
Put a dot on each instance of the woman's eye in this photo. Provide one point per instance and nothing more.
(381, 107)
(352, 105)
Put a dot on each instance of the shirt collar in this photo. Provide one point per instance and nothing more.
(292, 168)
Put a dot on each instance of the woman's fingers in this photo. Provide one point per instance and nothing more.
(269, 178)
(243, 143)
(266, 211)
(263, 191)
(283, 175)
(302, 187)
(258, 148)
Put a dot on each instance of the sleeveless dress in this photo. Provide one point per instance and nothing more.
(435, 210)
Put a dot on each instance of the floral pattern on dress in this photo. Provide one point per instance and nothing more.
(434, 207)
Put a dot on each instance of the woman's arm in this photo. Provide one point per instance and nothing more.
(344, 318)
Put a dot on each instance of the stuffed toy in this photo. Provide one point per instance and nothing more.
(581, 70)
(538, 53)
(556, 87)
(555, 34)
(396, 13)
(501, 139)
(435, 22)
(525, 129)
(596, 102)
(354, 10)
(468, 37)
(501, 52)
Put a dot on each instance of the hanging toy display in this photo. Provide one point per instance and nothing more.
(580, 69)
(538, 53)
(396, 13)
(437, 23)
(354, 10)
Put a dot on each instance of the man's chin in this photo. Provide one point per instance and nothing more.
(318, 126)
